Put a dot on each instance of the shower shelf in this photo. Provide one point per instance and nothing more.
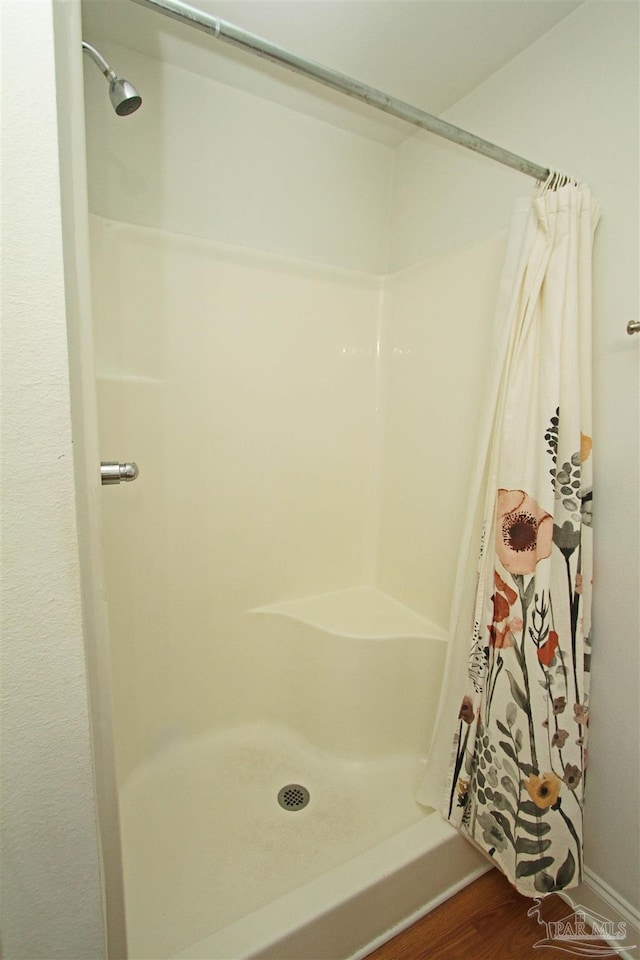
(357, 613)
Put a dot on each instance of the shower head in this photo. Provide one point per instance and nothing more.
(124, 96)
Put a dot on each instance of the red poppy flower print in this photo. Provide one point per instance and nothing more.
(547, 651)
(503, 628)
(467, 713)
(524, 532)
(504, 588)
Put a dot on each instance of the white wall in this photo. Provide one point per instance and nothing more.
(51, 893)
(569, 101)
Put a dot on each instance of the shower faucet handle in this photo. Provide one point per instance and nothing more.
(113, 472)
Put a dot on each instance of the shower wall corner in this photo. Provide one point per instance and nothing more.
(84, 425)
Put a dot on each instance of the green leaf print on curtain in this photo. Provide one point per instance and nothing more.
(517, 776)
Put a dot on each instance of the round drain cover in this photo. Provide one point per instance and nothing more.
(293, 796)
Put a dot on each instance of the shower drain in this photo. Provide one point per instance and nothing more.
(293, 796)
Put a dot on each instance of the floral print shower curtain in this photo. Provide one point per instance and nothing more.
(518, 770)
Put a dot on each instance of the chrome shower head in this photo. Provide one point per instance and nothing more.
(124, 96)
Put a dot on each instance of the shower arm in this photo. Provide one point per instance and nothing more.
(103, 66)
(221, 30)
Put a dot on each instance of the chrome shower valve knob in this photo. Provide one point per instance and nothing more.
(113, 472)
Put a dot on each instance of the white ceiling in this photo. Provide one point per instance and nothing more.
(430, 53)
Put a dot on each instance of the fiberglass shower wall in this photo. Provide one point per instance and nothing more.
(303, 419)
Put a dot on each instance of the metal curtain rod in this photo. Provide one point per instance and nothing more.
(229, 33)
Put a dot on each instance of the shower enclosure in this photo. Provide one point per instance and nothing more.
(300, 394)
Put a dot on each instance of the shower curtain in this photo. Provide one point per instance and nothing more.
(516, 777)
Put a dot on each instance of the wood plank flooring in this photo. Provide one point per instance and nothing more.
(485, 921)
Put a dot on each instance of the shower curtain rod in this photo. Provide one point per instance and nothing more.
(221, 30)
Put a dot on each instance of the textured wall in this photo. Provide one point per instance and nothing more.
(51, 897)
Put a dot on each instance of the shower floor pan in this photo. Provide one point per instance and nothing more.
(217, 869)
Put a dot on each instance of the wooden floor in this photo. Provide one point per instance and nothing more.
(485, 921)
